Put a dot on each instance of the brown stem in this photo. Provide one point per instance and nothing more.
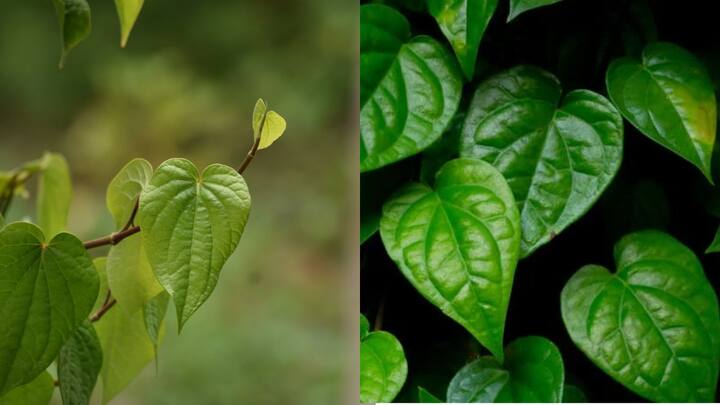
(105, 307)
(131, 220)
(112, 239)
(251, 154)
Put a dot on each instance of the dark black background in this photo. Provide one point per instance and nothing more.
(576, 40)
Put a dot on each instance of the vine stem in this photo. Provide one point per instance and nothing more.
(105, 307)
(112, 239)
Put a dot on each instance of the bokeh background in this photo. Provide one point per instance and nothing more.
(275, 331)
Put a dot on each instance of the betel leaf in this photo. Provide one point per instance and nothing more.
(426, 397)
(458, 244)
(191, 223)
(267, 125)
(100, 264)
(715, 244)
(533, 371)
(79, 365)
(573, 394)
(558, 157)
(74, 19)
(37, 392)
(409, 88)
(518, 7)
(47, 290)
(129, 273)
(364, 326)
(463, 23)
(669, 97)
(153, 316)
(653, 325)
(383, 367)
(54, 195)
(128, 12)
(127, 350)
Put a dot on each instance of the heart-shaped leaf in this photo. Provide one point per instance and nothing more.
(518, 7)
(37, 392)
(54, 194)
(129, 273)
(128, 12)
(79, 364)
(558, 159)
(383, 367)
(191, 223)
(409, 89)
(74, 19)
(458, 244)
(533, 372)
(463, 23)
(669, 97)
(653, 325)
(47, 290)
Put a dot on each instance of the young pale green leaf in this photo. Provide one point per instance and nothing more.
(426, 397)
(458, 244)
(79, 365)
(669, 97)
(128, 12)
(533, 372)
(130, 276)
(153, 316)
(558, 159)
(573, 394)
(127, 350)
(715, 245)
(653, 325)
(272, 128)
(37, 392)
(74, 19)
(125, 188)
(383, 367)
(191, 223)
(364, 326)
(463, 23)
(54, 195)
(409, 89)
(518, 7)
(258, 116)
(47, 290)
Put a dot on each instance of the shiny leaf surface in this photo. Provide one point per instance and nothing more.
(54, 195)
(518, 7)
(73, 17)
(383, 367)
(37, 392)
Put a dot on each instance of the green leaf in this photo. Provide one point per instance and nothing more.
(74, 19)
(124, 189)
(153, 316)
(669, 97)
(715, 245)
(458, 244)
(409, 89)
(272, 129)
(47, 290)
(127, 349)
(518, 7)
(557, 157)
(128, 12)
(258, 116)
(37, 392)
(383, 367)
(573, 394)
(653, 325)
(191, 223)
(463, 23)
(369, 224)
(100, 264)
(364, 326)
(533, 372)
(54, 195)
(79, 365)
(427, 398)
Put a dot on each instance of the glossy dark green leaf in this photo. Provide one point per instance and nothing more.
(47, 290)
(425, 397)
(668, 96)
(37, 392)
(463, 22)
(533, 372)
(653, 325)
(79, 365)
(54, 195)
(383, 367)
(364, 326)
(458, 244)
(573, 394)
(409, 88)
(715, 245)
(74, 19)
(518, 7)
(557, 157)
(191, 223)
(369, 224)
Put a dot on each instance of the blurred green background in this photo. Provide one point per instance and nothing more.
(274, 331)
